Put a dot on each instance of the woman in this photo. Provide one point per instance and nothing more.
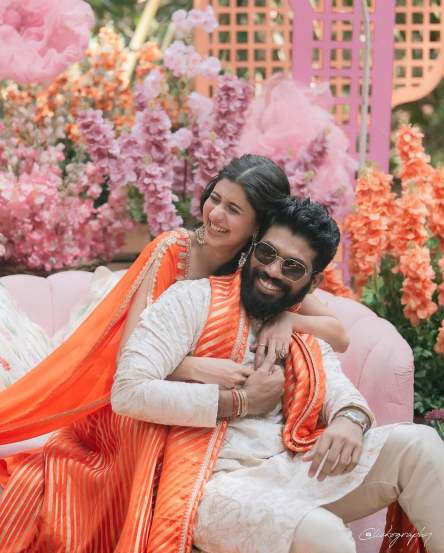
(76, 378)
(101, 459)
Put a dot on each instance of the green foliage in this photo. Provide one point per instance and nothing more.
(383, 295)
(135, 205)
(125, 15)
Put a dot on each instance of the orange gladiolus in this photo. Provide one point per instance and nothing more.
(410, 223)
(418, 285)
(369, 225)
(334, 283)
(147, 55)
(436, 221)
(409, 143)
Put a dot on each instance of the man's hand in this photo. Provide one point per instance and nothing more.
(264, 390)
(341, 442)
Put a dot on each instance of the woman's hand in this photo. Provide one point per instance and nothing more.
(209, 370)
(273, 340)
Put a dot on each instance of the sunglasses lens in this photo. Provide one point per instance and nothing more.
(293, 269)
(264, 253)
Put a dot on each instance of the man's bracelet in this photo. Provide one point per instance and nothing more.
(240, 403)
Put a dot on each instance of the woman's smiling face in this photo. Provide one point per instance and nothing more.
(229, 219)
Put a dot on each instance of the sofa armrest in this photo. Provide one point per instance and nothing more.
(380, 364)
(378, 361)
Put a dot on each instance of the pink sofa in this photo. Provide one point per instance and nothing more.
(379, 361)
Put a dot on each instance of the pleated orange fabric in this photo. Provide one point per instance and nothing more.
(114, 484)
(76, 378)
(304, 393)
(398, 524)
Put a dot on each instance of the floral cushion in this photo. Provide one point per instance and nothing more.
(102, 282)
(23, 343)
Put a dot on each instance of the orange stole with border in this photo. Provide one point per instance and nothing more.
(191, 453)
(115, 484)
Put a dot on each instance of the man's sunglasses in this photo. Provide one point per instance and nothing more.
(293, 269)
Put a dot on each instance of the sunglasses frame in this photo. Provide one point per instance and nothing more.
(282, 261)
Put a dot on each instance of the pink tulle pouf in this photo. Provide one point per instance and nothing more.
(40, 38)
(291, 123)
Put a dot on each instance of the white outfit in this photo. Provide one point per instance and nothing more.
(258, 492)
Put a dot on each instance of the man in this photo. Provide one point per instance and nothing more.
(260, 497)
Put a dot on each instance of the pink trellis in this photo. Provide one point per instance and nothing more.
(329, 45)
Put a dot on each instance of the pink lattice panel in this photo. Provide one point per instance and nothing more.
(253, 39)
(419, 49)
(329, 47)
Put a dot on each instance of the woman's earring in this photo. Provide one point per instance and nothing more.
(200, 235)
(242, 260)
(244, 256)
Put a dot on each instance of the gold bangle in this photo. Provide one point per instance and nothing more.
(235, 403)
(243, 407)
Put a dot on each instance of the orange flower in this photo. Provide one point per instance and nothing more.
(439, 345)
(415, 163)
(436, 221)
(369, 225)
(146, 56)
(441, 286)
(334, 283)
(409, 143)
(418, 286)
(409, 225)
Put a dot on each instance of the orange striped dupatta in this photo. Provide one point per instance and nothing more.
(76, 378)
(114, 484)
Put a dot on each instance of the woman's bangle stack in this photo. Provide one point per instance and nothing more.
(240, 403)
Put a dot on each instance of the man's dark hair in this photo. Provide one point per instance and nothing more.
(312, 221)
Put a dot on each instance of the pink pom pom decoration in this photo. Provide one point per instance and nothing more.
(291, 124)
(40, 38)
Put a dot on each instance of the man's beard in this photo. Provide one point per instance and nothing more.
(263, 306)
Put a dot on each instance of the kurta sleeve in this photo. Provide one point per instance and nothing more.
(167, 331)
(340, 392)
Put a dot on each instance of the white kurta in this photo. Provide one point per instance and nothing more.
(258, 492)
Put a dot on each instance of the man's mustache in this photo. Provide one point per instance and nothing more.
(276, 282)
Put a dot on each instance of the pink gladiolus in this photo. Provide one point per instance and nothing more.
(182, 138)
(186, 22)
(153, 84)
(200, 107)
(182, 59)
(40, 38)
(209, 67)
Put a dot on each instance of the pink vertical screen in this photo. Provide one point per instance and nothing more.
(328, 45)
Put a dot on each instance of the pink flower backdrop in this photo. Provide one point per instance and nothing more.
(84, 157)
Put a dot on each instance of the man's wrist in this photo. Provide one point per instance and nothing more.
(356, 416)
(225, 405)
